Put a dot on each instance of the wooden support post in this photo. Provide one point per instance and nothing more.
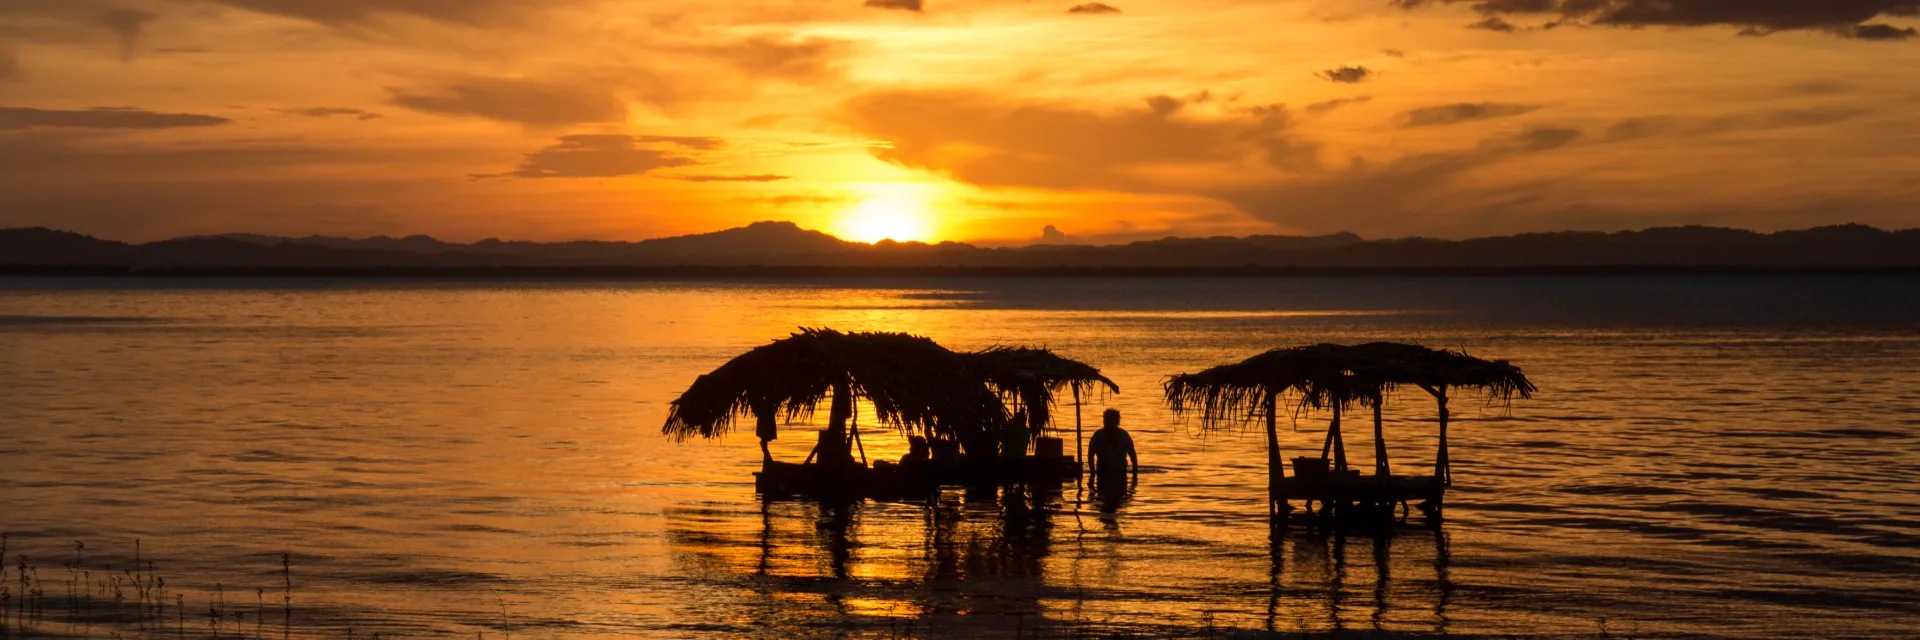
(1326, 448)
(1442, 467)
(1079, 451)
(842, 407)
(855, 430)
(837, 416)
(1037, 420)
(1276, 471)
(1339, 444)
(1380, 466)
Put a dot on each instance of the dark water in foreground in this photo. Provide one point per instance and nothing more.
(1708, 457)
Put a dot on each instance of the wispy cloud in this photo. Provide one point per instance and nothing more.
(1462, 112)
(594, 156)
(1845, 18)
(1329, 105)
(1346, 75)
(328, 112)
(103, 118)
(757, 177)
(127, 25)
(898, 5)
(533, 103)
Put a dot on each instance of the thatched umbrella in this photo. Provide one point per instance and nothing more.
(913, 383)
(1230, 393)
(1435, 371)
(1031, 376)
(1337, 377)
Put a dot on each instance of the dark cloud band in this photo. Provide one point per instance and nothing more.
(102, 118)
(1846, 18)
(529, 102)
(595, 156)
(1462, 112)
(900, 5)
(1346, 75)
(757, 177)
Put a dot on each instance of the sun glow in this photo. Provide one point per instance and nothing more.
(889, 211)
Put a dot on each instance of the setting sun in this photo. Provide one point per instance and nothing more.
(889, 211)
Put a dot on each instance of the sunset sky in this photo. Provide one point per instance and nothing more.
(971, 120)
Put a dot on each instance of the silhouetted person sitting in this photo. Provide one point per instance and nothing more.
(1014, 436)
(918, 455)
(834, 449)
(1110, 454)
(944, 457)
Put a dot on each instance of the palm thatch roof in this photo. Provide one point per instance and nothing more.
(1031, 376)
(913, 383)
(1325, 375)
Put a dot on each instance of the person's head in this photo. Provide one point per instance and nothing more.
(1112, 418)
(916, 444)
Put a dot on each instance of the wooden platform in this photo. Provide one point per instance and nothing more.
(1353, 487)
(1350, 495)
(888, 481)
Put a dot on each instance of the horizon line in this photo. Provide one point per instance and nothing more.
(983, 244)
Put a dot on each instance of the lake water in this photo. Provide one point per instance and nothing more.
(1707, 457)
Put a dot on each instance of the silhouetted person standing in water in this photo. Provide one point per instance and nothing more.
(1110, 455)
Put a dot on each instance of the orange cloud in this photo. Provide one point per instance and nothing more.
(595, 156)
(530, 102)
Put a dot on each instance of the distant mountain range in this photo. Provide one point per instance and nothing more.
(774, 246)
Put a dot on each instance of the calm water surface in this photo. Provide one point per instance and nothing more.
(1707, 457)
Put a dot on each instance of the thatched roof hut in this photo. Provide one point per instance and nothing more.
(1029, 377)
(1339, 377)
(1010, 369)
(1329, 375)
(914, 384)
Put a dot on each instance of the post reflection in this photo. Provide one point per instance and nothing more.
(1383, 580)
(998, 561)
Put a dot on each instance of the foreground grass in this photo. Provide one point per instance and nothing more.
(76, 597)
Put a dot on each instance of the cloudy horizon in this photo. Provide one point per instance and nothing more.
(988, 122)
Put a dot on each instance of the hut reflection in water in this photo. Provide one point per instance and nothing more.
(1016, 562)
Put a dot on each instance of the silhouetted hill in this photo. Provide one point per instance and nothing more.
(784, 244)
(1835, 246)
(40, 245)
(224, 252)
(760, 242)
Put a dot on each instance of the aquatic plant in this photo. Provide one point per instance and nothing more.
(130, 600)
